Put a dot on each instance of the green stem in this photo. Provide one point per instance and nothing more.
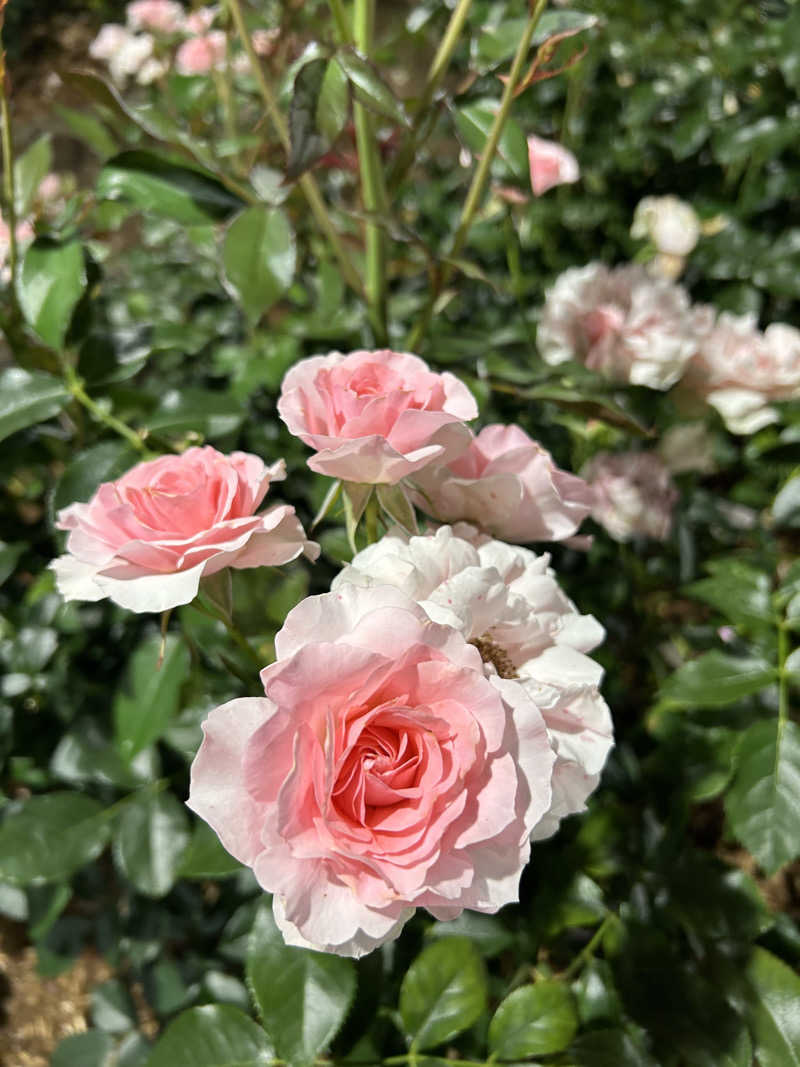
(9, 192)
(481, 175)
(588, 951)
(783, 678)
(340, 18)
(373, 189)
(411, 1058)
(202, 605)
(307, 184)
(75, 386)
(441, 60)
(371, 519)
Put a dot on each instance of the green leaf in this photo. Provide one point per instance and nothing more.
(786, 507)
(214, 414)
(259, 257)
(394, 501)
(764, 798)
(301, 1013)
(715, 679)
(317, 113)
(50, 284)
(216, 1035)
(112, 1007)
(150, 695)
(609, 1048)
(28, 397)
(369, 88)
(773, 1010)
(150, 841)
(155, 185)
(29, 170)
(9, 555)
(486, 932)
(91, 1049)
(533, 1021)
(50, 837)
(497, 44)
(90, 130)
(443, 992)
(474, 123)
(205, 857)
(741, 592)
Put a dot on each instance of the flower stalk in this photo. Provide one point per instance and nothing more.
(9, 191)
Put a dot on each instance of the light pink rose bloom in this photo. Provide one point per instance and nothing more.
(147, 539)
(551, 164)
(161, 16)
(668, 222)
(131, 56)
(200, 55)
(375, 417)
(108, 41)
(740, 370)
(264, 41)
(506, 601)
(50, 188)
(383, 771)
(507, 484)
(622, 323)
(634, 494)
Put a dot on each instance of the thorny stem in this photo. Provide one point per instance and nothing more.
(307, 183)
(373, 190)
(481, 175)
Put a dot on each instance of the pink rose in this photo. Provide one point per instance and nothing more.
(508, 484)
(375, 416)
(622, 323)
(634, 494)
(200, 55)
(147, 539)
(200, 20)
(551, 164)
(110, 38)
(383, 771)
(162, 16)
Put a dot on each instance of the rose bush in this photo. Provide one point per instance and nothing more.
(146, 540)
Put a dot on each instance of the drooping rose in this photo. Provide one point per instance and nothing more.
(146, 540)
(507, 484)
(383, 771)
(550, 164)
(375, 417)
(160, 16)
(201, 55)
(668, 222)
(622, 323)
(739, 370)
(634, 494)
(507, 603)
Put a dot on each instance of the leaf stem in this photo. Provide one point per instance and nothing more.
(783, 677)
(588, 950)
(9, 191)
(481, 175)
(75, 386)
(239, 639)
(340, 18)
(373, 189)
(307, 183)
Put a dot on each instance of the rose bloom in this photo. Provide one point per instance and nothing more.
(147, 539)
(382, 771)
(108, 41)
(200, 20)
(550, 164)
(668, 222)
(740, 370)
(375, 417)
(264, 41)
(634, 494)
(622, 323)
(507, 603)
(161, 16)
(507, 484)
(200, 55)
(131, 56)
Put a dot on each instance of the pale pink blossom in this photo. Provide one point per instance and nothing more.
(160, 16)
(550, 164)
(507, 484)
(108, 41)
(383, 771)
(50, 188)
(24, 234)
(668, 222)
(201, 55)
(375, 417)
(507, 602)
(147, 539)
(131, 56)
(622, 323)
(740, 371)
(634, 494)
(264, 41)
(200, 20)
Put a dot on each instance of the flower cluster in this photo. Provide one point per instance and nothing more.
(642, 330)
(47, 201)
(428, 718)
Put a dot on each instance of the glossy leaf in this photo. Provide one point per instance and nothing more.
(215, 1035)
(741, 592)
(764, 797)
(716, 679)
(302, 1012)
(50, 837)
(150, 840)
(259, 258)
(774, 1010)
(205, 857)
(317, 113)
(533, 1021)
(29, 170)
(443, 992)
(28, 397)
(149, 697)
(369, 88)
(50, 284)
